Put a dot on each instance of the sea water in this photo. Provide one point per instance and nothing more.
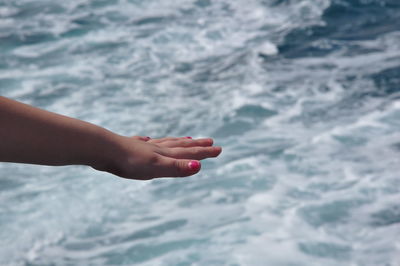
(302, 95)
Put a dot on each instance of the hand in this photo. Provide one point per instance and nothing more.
(32, 135)
(144, 158)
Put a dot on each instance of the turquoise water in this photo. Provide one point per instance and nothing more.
(302, 95)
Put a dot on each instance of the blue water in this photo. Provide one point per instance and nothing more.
(304, 97)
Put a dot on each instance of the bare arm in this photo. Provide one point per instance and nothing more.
(32, 135)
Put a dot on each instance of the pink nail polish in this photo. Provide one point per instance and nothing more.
(194, 165)
(188, 137)
(147, 138)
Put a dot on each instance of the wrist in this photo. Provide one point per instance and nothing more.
(107, 156)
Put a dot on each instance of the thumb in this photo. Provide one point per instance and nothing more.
(179, 168)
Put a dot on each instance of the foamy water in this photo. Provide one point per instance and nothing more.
(302, 95)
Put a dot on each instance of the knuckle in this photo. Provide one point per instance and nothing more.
(180, 172)
(197, 151)
(183, 143)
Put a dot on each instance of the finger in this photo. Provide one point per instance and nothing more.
(187, 143)
(161, 140)
(141, 138)
(197, 153)
(170, 167)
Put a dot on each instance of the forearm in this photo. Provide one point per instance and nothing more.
(35, 136)
(32, 135)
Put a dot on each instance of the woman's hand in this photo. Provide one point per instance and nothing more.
(35, 136)
(144, 158)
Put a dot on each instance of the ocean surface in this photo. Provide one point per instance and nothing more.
(303, 96)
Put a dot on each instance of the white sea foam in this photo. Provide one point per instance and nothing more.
(309, 172)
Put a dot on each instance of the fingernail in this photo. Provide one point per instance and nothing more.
(147, 138)
(188, 137)
(194, 165)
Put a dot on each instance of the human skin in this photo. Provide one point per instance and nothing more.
(35, 136)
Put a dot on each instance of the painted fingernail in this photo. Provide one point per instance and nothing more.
(188, 137)
(147, 138)
(194, 165)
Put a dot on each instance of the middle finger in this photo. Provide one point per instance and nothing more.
(187, 143)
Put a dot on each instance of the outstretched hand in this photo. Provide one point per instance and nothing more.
(35, 136)
(144, 158)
